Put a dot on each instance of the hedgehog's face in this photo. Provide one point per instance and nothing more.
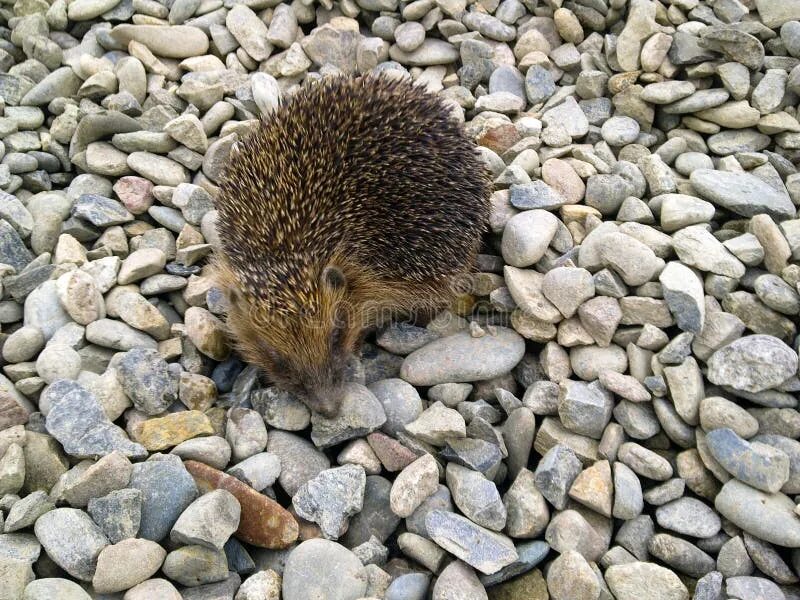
(304, 352)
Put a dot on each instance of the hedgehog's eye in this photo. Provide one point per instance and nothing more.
(334, 278)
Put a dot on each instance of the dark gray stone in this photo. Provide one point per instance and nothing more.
(147, 380)
(118, 513)
(101, 211)
(76, 419)
(167, 489)
(12, 249)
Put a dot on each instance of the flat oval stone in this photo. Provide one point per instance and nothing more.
(463, 358)
(742, 193)
(177, 41)
(769, 517)
(264, 522)
(430, 52)
(689, 516)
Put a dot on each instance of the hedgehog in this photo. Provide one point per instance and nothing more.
(359, 200)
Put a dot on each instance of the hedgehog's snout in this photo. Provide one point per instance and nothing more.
(325, 400)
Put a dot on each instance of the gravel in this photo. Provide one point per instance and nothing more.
(610, 411)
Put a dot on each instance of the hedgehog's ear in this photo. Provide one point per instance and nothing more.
(334, 278)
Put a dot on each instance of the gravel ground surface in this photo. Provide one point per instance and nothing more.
(611, 414)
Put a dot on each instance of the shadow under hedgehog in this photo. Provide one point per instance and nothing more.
(359, 199)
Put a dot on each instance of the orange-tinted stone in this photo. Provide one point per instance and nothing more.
(164, 432)
(264, 522)
(499, 138)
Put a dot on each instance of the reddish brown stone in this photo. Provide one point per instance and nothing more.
(392, 454)
(264, 522)
(11, 413)
(499, 138)
(136, 193)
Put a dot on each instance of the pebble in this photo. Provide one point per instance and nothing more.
(195, 565)
(71, 540)
(153, 588)
(118, 513)
(696, 247)
(584, 408)
(76, 419)
(761, 466)
(212, 450)
(458, 580)
(645, 462)
(259, 471)
(593, 487)
(413, 485)
(338, 574)
(644, 581)
(752, 363)
(54, 587)
(570, 576)
(109, 473)
(555, 474)
(688, 516)
(769, 517)
(147, 381)
(300, 460)
(683, 293)
(245, 432)
(167, 489)
(741, 193)
(361, 413)
(176, 41)
(437, 424)
(476, 497)
(58, 361)
(331, 497)
(469, 358)
(23, 344)
(526, 237)
(752, 587)
(208, 521)
(401, 403)
(569, 530)
(281, 410)
(482, 549)
(206, 332)
(125, 564)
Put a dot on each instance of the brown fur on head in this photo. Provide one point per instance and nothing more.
(359, 199)
(305, 348)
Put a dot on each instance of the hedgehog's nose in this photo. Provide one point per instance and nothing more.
(325, 401)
